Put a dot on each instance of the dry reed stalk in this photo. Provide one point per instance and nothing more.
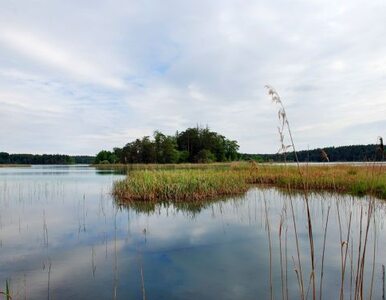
(298, 278)
(359, 254)
(49, 281)
(324, 155)
(373, 266)
(341, 248)
(381, 150)
(93, 266)
(268, 227)
(281, 252)
(300, 274)
(351, 267)
(286, 262)
(312, 251)
(323, 252)
(383, 282)
(7, 292)
(285, 123)
(369, 216)
(115, 267)
(345, 256)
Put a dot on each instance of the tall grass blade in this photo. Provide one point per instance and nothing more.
(323, 252)
(383, 282)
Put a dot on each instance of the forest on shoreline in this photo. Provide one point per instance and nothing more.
(195, 145)
(44, 159)
(352, 153)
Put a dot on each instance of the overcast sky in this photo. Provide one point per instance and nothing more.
(80, 76)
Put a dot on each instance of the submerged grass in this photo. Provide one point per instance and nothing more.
(206, 181)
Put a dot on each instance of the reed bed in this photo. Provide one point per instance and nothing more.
(186, 166)
(179, 185)
(355, 180)
(207, 181)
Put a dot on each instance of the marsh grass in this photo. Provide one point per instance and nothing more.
(215, 180)
(179, 185)
(355, 180)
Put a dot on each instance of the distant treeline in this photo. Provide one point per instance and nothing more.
(44, 159)
(370, 152)
(194, 145)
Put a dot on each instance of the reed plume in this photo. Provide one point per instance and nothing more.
(284, 124)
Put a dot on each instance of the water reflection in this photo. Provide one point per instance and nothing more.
(62, 236)
(187, 208)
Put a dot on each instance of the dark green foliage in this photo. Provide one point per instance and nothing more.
(139, 151)
(183, 156)
(83, 159)
(192, 145)
(204, 156)
(106, 157)
(255, 157)
(148, 151)
(35, 159)
(165, 147)
(4, 158)
(343, 154)
(44, 159)
(194, 140)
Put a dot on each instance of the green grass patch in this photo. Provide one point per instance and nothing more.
(191, 182)
(179, 185)
(357, 180)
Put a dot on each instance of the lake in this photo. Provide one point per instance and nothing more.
(63, 236)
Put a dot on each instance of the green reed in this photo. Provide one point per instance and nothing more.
(179, 185)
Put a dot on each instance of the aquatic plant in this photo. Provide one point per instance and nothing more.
(7, 292)
(370, 181)
(284, 123)
(179, 185)
(355, 180)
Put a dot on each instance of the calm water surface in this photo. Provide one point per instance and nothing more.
(62, 236)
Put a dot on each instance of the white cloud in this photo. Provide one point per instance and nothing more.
(101, 74)
(60, 59)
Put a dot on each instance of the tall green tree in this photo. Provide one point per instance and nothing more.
(192, 145)
(105, 156)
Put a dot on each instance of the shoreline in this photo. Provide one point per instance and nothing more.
(157, 184)
(14, 165)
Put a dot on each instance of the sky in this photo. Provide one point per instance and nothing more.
(80, 76)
